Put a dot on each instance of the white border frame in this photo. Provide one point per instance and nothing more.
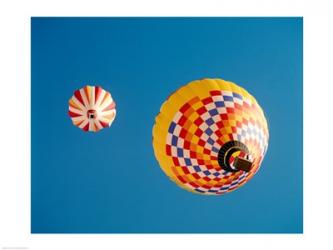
(15, 127)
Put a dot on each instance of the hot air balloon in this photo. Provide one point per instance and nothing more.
(91, 108)
(210, 136)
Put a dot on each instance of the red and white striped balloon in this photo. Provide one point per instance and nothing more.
(91, 108)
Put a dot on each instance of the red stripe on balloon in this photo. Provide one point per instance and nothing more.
(98, 91)
(78, 96)
(215, 92)
(86, 128)
(72, 114)
(104, 124)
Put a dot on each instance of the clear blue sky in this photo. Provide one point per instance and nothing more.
(110, 182)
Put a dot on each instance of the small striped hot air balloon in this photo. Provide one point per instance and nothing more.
(92, 108)
(210, 136)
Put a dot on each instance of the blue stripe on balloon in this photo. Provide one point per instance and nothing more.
(237, 96)
(228, 98)
(219, 104)
(174, 140)
(172, 127)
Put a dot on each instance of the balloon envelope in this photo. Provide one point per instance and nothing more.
(91, 108)
(210, 136)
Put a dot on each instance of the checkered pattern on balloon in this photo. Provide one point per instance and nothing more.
(199, 129)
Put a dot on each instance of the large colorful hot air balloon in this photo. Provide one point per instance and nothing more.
(91, 108)
(210, 136)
